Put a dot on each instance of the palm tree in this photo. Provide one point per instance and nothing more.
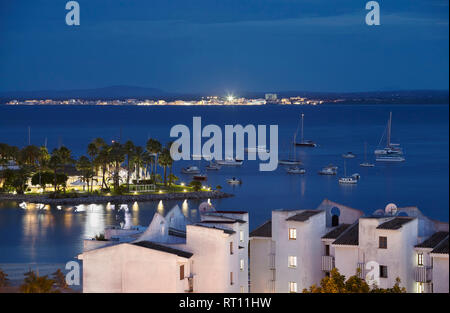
(138, 161)
(169, 146)
(92, 151)
(54, 164)
(154, 147)
(129, 150)
(43, 159)
(29, 155)
(165, 160)
(117, 156)
(33, 283)
(65, 158)
(103, 159)
(85, 167)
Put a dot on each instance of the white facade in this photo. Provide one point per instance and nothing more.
(336, 236)
(210, 256)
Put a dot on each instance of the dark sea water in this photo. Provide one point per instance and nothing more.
(423, 181)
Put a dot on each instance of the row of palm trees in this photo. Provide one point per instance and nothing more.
(101, 157)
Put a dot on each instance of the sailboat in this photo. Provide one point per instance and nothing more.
(348, 179)
(365, 163)
(392, 152)
(290, 161)
(304, 143)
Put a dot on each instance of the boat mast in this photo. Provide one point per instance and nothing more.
(365, 152)
(389, 130)
(302, 127)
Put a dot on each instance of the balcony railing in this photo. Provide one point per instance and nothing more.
(361, 270)
(423, 274)
(272, 261)
(327, 263)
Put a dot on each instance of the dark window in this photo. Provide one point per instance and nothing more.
(181, 272)
(327, 274)
(231, 247)
(327, 250)
(383, 271)
(231, 278)
(334, 220)
(382, 242)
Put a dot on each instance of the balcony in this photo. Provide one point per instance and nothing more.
(423, 274)
(327, 263)
(361, 267)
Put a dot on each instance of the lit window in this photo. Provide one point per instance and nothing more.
(382, 242)
(420, 288)
(420, 259)
(241, 236)
(292, 286)
(242, 265)
(292, 234)
(292, 261)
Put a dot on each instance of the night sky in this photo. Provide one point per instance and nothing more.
(215, 45)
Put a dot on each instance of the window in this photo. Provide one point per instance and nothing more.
(231, 247)
(292, 234)
(231, 278)
(420, 259)
(292, 261)
(242, 265)
(327, 274)
(181, 272)
(382, 242)
(383, 271)
(420, 288)
(327, 250)
(292, 286)
(241, 236)
(334, 220)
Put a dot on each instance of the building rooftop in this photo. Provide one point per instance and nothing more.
(350, 237)
(232, 212)
(395, 223)
(264, 230)
(303, 216)
(433, 240)
(155, 246)
(336, 232)
(226, 231)
(442, 248)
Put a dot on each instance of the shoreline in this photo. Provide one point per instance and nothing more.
(196, 195)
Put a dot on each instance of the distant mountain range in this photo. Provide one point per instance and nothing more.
(133, 92)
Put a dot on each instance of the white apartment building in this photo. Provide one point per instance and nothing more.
(172, 255)
(286, 252)
(296, 249)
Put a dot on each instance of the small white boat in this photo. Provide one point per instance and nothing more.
(190, 170)
(234, 181)
(328, 170)
(213, 167)
(23, 205)
(365, 163)
(289, 162)
(295, 170)
(348, 180)
(349, 155)
(390, 158)
(229, 162)
(256, 149)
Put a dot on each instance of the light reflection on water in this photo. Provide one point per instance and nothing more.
(56, 233)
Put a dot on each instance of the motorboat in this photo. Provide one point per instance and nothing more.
(190, 170)
(230, 162)
(349, 155)
(200, 177)
(348, 180)
(234, 181)
(328, 170)
(390, 158)
(213, 167)
(295, 170)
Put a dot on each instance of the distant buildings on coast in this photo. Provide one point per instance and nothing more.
(270, 98)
